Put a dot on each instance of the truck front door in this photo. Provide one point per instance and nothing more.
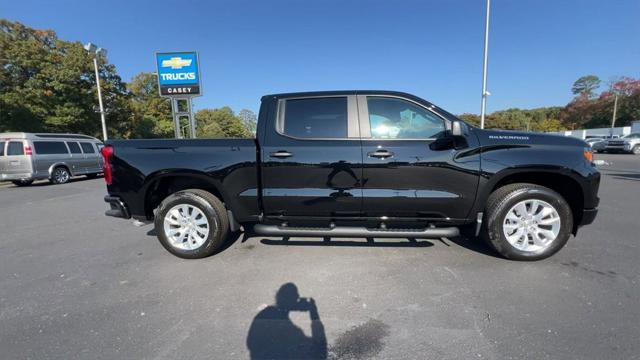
(312, 158)
(411, 168)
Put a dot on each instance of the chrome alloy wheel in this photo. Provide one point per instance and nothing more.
(61, 175)
(186, 227)
(531, 225)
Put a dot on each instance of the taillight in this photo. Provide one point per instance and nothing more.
(107, 155)
(27, 150)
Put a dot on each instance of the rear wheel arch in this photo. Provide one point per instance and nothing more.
(161, 187)
(53, 173)
(54, 166)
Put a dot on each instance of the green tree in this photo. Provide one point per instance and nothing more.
(585, 86)
(220, 123)
(48, 84)
(249, 120)
(472, 119)
(548, 125)
(151, 114)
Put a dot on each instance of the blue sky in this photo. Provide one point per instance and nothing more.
(429, 48)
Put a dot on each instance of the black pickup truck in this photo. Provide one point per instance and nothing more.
(357, 164)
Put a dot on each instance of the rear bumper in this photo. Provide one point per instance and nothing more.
(17, 176)
(117, 207)
(588, 216)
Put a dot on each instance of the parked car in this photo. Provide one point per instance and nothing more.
(357, 164)
(593, 140)
(628, 144)
(25, 157)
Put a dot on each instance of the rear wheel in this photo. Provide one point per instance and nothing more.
(60, 175)
(192, 224)
(22, 182)
(527, 221)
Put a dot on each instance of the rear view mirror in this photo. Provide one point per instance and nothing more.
(458, 128)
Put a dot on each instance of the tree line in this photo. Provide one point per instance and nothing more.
(48, 85)
(588, 109)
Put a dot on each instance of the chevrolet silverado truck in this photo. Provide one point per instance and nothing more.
(364, 164)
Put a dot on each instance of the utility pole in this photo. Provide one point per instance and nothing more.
(104, 122)
(615, 109)
(483, 107)
(95, 51)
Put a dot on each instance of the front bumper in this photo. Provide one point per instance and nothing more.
(117, 207)
(588, 216)
(625, 148)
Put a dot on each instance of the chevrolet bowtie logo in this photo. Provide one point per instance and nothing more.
(176, 63)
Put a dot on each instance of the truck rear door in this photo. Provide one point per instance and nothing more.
(312, 158)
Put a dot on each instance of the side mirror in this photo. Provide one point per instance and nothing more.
(458, 128)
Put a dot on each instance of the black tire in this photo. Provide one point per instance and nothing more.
(636, 150)
(213, 210)
(60, 175)
(503, 199)
(91, 176)
(22, 182)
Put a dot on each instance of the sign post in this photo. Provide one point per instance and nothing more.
(179, 80)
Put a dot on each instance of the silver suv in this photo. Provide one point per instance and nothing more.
(25, 157)
(629, 144)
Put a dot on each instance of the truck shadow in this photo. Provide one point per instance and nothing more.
(467, 242)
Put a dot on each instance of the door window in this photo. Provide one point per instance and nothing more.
(316, 118)
(87, 148)
(15, 148)
(392, 118)
(74, 147)
(2, 148)
(50, 147)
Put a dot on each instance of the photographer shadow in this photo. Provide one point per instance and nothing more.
(273, 335)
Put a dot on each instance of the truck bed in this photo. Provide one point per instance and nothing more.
(226, 164)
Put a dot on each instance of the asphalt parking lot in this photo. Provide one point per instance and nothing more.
(75, 284)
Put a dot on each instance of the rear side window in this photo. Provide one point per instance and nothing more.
(87, 148)
(50, 147)
(15, 148)
(74, 147)
(316, 118)
(2, 148)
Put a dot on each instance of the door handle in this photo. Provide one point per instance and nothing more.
(380, 154)
(281, 154)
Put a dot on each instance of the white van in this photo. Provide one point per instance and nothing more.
(25, 157)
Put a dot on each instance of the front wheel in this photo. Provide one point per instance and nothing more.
(192, 224)
(527, 221)
(636, 150)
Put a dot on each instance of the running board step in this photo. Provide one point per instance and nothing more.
(345, 231)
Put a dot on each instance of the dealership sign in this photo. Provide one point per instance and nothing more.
(178, 74)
